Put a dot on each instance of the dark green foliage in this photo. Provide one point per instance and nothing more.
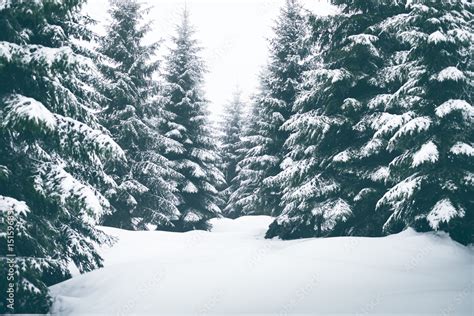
(145, 194)
(248, 177)
(382, 137)
(192, 149)
(432, 175)
(52, 149)
(230, 148)
(319, 184)
(273, 106)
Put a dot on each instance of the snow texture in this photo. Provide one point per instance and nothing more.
(386, 122)
(416, 125)
(24, 109)
(15, 211)
(342, 157)
(233, 270)
(427, 153)
(190, 188)
(8, 204)
(192, 217)
(59, 183)
(437, 37)
(133, 186)
(443, 211)
(365, 40)
(332, 213)
(371, 147)
(448, 107)
(7, 49)
(451, 74)
(401, 192)
(380, 174)
(462, 149)
(97, 137)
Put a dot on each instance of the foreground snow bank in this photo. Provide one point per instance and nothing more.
(233, 269)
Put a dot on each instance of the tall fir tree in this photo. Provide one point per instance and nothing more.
(146, 187)
(364, 162)
(332, 172)
(230, 141)
(248, 176)
(384, 121)
(52, 150)
(279, 84)
(192, 149)
(432, 173)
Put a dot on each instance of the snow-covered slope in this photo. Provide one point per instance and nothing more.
(233, 269)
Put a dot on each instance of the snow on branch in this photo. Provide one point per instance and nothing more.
(449, 74)
(54, 181)
(190, 188)
(315, 187)
(373, 146)
(416, 125)
(133, 186)
(367, 40)
(455, 105)
(427, 153)
(343, 156)
(461, 148)
(11, 205)
(332, 212)
(385, 123)
(23, 111)
(204, 155)
(380, 174)
(443, 211)
(400, 193)
(437, 37)
(192, 217)
(100, 141)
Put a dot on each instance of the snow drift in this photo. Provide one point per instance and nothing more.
(234, 270)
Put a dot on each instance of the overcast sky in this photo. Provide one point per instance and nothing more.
(233, 34)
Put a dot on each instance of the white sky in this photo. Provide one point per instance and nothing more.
(233, 34)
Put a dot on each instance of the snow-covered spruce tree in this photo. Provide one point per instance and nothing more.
(192, 149)
(248, 176)
(52, 150)
(230, 141)
(433, 172)
(145, 192)
(275, 101)
(332, 163)
(365, 161)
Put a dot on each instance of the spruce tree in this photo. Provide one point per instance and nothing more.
(230, 141)
(52, 150)
(248, 176)
(365, 161)
(384, 124)
(330, 171)
(192, 149)
(145, 192)
(432, 171)
(279, 85)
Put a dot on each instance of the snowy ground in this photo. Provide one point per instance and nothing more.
(234, 270)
